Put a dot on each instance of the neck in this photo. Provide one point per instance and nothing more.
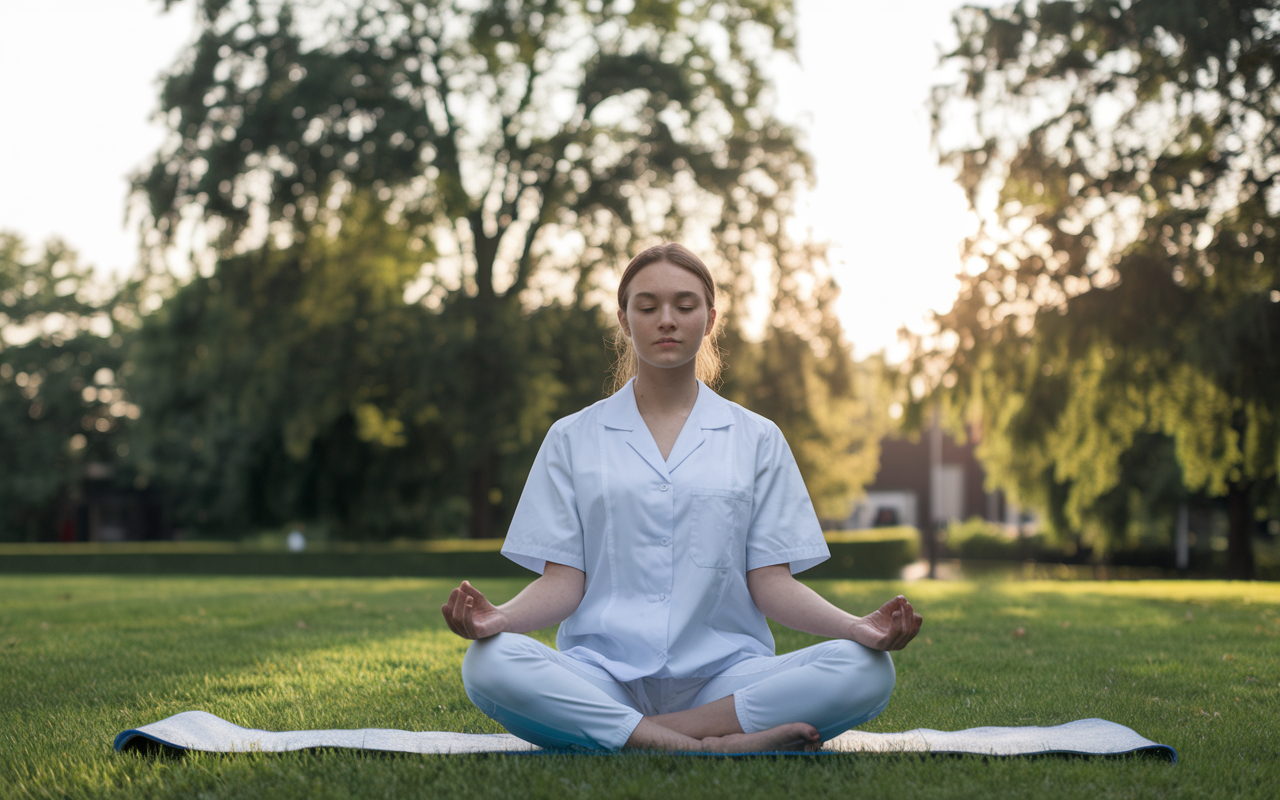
(666, 389)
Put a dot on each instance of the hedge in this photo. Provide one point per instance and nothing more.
(878, 554)
(875, 554)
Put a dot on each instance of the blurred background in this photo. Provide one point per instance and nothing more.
(1005, 274)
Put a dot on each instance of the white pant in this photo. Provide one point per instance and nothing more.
(552, 700)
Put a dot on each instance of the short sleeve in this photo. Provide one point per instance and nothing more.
(546, 526)
(784, 527)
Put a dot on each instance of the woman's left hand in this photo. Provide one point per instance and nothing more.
(470, 614)
(890, 627)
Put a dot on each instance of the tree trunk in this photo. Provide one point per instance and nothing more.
(931, 538)
(480, 523)
(488, 383)
(486, 251)
(1240, 533)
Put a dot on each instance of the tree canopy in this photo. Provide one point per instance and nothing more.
(60, 403)
(1124, 284)
(411, 215)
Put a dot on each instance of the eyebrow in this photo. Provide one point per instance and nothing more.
(679, 295)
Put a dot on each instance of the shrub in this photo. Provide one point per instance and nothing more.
(976, 538)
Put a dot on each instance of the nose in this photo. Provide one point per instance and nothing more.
(668, 319)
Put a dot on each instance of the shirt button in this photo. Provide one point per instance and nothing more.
(663, 488)
(662, 597)
(665, 542)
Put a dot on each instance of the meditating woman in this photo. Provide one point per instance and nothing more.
(666, 523)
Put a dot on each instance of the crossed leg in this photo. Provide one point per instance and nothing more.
(790, 702)
(714, 728)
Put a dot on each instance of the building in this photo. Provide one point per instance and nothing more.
(927, 480)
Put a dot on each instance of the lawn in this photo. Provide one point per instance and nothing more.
(1195, 665)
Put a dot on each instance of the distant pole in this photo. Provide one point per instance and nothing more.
(1182, 538)
(1021, 531)
(935, 491)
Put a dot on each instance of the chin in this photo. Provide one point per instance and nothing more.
(668, 363)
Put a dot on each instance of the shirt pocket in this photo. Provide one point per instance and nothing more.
(719, 529)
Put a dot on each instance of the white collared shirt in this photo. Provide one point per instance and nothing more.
(665, 545)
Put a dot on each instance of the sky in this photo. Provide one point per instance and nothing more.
(79, 82)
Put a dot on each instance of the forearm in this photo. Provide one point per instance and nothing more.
(548, 600)
(789, 602)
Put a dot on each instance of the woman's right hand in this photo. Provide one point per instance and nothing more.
(470, 615)
(890, 627)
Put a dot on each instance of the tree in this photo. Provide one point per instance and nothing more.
(802, 375)
(1125, 282)
(267, 393)
(60, 405)
(522, 147)
(297, 385)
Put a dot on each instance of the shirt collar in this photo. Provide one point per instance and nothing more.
(620, 412)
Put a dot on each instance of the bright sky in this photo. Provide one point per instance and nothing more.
(78, 83)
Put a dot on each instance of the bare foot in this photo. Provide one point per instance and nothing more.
(792, 736)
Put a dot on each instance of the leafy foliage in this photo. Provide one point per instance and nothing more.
(60, 405)
(297, 384)
(517, 147)
(1124, 285)
(802, 376)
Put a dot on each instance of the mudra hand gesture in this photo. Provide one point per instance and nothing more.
(889, 627)
(470, 615)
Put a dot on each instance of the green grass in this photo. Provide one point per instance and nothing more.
(1192, 665)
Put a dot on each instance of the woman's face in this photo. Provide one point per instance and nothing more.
(666, 315)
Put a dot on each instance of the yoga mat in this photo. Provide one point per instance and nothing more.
(200, 730)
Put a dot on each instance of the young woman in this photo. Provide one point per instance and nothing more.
(666, 523)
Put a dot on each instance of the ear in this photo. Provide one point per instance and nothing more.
(622, 321)
(711, 322)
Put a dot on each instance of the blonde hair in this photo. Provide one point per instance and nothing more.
(708, 364)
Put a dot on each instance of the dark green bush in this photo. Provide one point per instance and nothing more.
(880, 553)
(979, 539)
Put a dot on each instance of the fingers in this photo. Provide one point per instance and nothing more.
(450, 612)
(458, 609)
(468, 618)
(904, 623)
(467, 605)
(472, 592)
